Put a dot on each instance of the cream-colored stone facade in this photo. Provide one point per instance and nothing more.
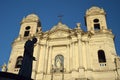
(69, 54)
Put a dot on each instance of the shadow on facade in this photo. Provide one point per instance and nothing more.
(11, 76)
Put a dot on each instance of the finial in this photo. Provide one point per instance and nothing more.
(4, 67)
(60, 18)
(39, 30)
(78, 25)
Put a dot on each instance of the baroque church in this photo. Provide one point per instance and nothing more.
(63, 53)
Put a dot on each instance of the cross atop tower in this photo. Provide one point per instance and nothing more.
(60, 17)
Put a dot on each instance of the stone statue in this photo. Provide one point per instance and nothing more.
(78, 25)
(58, 63)
(26, 68)
(4, 67)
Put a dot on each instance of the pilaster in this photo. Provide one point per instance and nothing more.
(68, 59)
(73, 56)
(41, 59)
(50, 60)
(88, 56)
(35, 63)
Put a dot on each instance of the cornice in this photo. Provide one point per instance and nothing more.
(65, 30)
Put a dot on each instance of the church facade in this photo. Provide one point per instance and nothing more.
(62, 53)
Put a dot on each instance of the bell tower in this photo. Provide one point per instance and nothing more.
(30, 25)
(95, 19)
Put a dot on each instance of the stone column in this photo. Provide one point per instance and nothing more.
(88, 56)
(80, 54)
(73, 56)
(45, 58)
(68, 59)
(41, 59)
(84, 56)
(49, 60)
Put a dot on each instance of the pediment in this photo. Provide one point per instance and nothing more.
(59, 34)
(59, 31)
(60, 26)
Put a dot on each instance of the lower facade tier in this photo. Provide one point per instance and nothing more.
(85, 75)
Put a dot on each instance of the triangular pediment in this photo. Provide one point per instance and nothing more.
(60, 26)
(59, 31)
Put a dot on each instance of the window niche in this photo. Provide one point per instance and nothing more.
(19, 62)
(59, 63)
(96, 24)
(101, 56)
(27, 28)
(27, 31)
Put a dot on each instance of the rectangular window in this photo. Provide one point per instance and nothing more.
(97, 26)
(26, 33)
(101, 56)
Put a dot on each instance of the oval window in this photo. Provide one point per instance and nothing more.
(27, 28)
(96, 20)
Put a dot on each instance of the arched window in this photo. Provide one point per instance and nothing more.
(96, 24)
(101, 56)
(19, 62)
(59, 61)
(27, 31)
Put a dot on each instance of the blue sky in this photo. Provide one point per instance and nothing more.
(12, 12)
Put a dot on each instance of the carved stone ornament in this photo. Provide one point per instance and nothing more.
(59, 30)
(59, 34)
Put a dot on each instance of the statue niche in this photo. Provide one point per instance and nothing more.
(59, 63)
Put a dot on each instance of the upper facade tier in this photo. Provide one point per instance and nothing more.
(94, 11)
(31, 18)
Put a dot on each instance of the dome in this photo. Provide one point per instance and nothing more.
(31, 18)
(95, 10)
